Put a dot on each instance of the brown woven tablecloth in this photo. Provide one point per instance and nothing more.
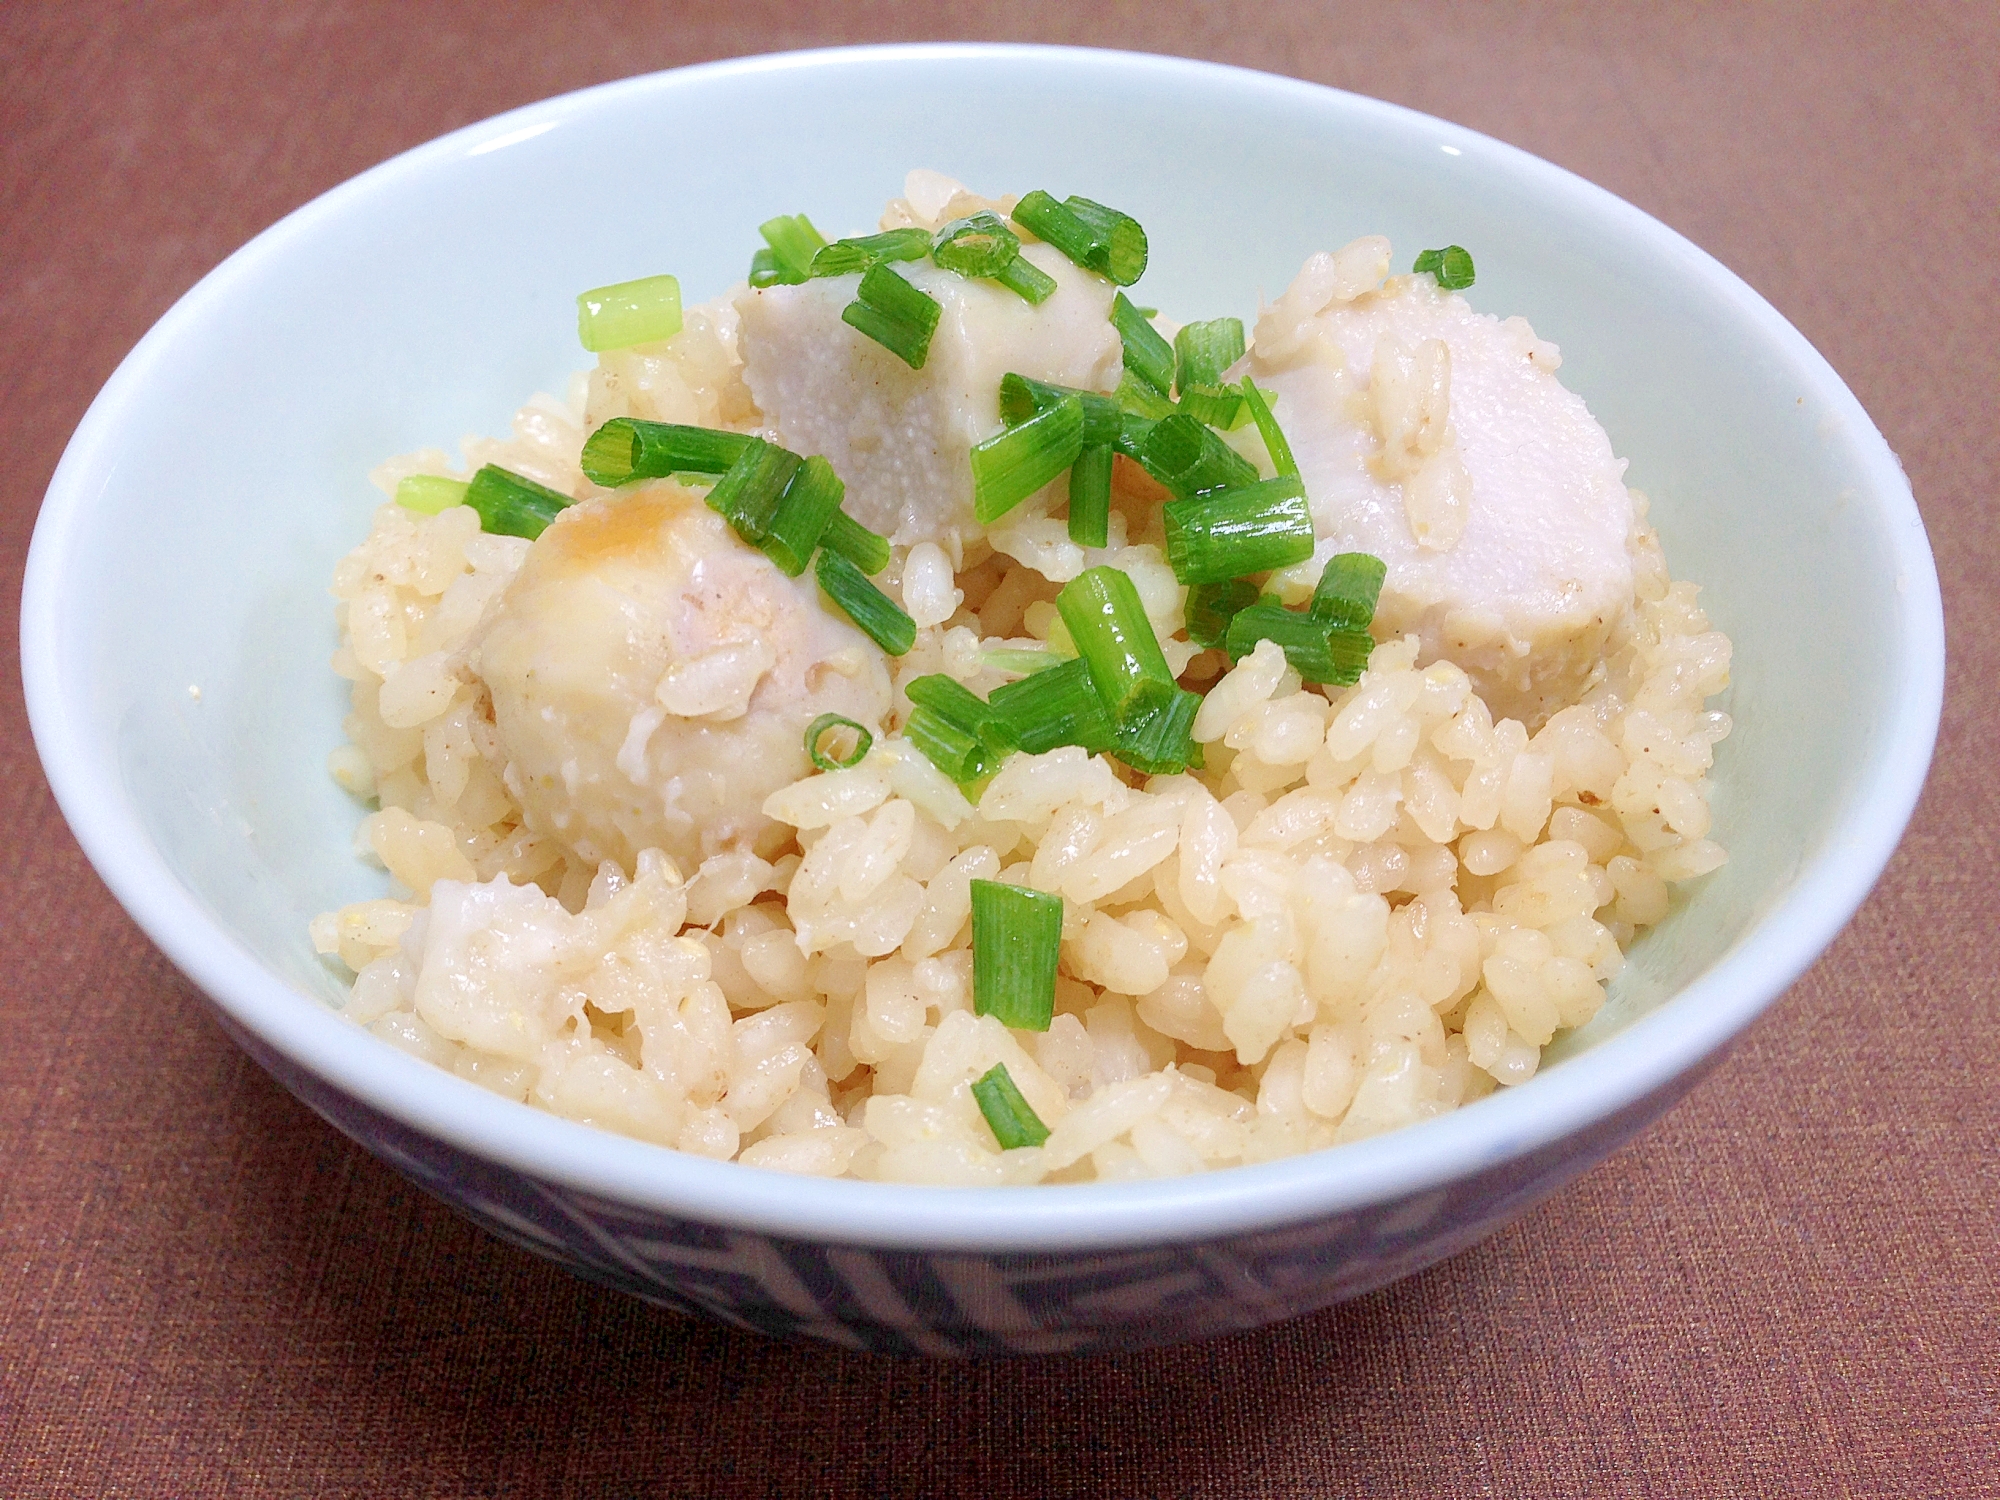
(1789, 1287)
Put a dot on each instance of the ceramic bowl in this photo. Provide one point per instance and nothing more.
(176, 629)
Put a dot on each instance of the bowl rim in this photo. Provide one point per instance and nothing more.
(1643, 1059)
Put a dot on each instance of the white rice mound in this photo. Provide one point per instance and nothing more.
(1374, 904)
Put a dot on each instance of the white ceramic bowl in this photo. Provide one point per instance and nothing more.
(189, 534)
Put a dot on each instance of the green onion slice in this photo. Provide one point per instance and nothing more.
(1102, 610)
(1090, 496)
(1318, 650)
(1010, 466)
(511, 504)
(1349, 587)
(1147, 353)
(1211, 606)
(427, 494)
(1022, 398)
(1026, 280)
(865, 252)
(1162, 743)
(1452, 266)
(1026, 661)
(1218, 405)
(794, 242)
(952, 748)
(825, 724)
(1059, 225)
(1189, 458)
(895, 314)
(1136, 398)
(978, 245)
(1267, 428)
(1055, 706)
(767, 270)
(1203, 352)
(747, 496)
(1226, 534)
(1016, 940)
(625, 449)
(948, 696)
(1124, 240)
(810, 499)
(877, 616)
(628, 313)
(867, 550)
(1012, 1120)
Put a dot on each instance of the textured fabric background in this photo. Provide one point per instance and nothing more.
(1787, 1288)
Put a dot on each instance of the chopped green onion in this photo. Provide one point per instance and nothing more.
(1016, 940)
(1349, 587)
(1090, 496)
(1217, 405)
(825, 724)
(1138, 398)
(1133, 433)
(845, 257)
(626, 448)
(1211, 606)
(1021, 398)
(958, 704)
(1026, 280)
(1162, 743)
(427, 494)
(1010, 1117)
(1203, 352)
(1452, 266)
(1124, 240)
(976, 245)
(1189, 458)
(897, 315)
(1060, 226)
(512, 505)
(1318, 650)
(1010, 466)
(747, 495)
(867, 550)
(1115, 640)
(794, 242)
(1225, 534)
(877, 616)
(1267, 428)
(1024, 660)
(811, 498)
(1055, 706)
(1147, 353)
(767, 270)
(628, 313)
(952, 748)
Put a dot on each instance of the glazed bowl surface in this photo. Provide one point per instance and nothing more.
(177, 626)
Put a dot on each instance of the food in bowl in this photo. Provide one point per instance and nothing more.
(935, 721)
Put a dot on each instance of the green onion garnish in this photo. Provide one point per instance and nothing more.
(1452, 266)
(1147, 353)
(845, 257)
(958, 703)
(1190, 458)
(1318, 650)
(1060, 226)
(825, 724)
(977, 245)
(1211, 606)
(1013, 1122)
(1133, 432)
(510, 504)
(427, 494)
(1115, 640)
(794, 242)
(895, 314)
(767, 270)
(628, 313)
(1090, 496)
(1016, 940)
(747, 495)
(1125, 241)
(1217, 405)
(952, 748)
(1024, 660)
(811, 498)
(1026, 280)
(867, 550)
(1010, 466)
(1162, 743)
(878, 616)
(1267, 428)
(1055, 706)
(1135, 397)
(626, 448)
(960, 732)
(1349, 587)
(1204, 351)
(1226, 534)
(1022, 398)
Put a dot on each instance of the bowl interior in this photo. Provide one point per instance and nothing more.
(178, 621)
